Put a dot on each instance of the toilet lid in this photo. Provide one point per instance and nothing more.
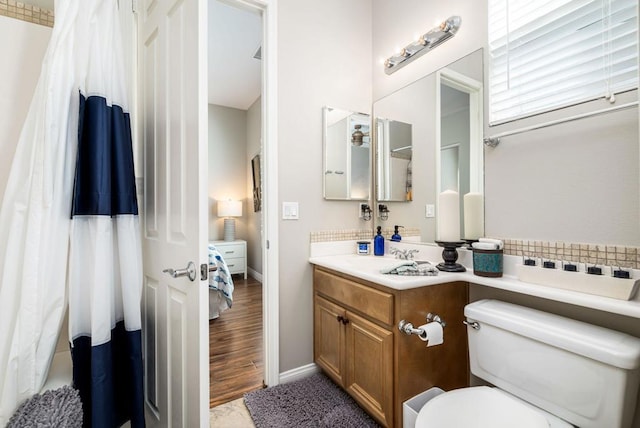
(478, 407)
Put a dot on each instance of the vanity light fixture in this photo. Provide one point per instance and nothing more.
(424, 44)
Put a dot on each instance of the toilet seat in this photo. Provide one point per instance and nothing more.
(479, 407)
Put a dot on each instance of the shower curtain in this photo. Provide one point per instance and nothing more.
(69, 228)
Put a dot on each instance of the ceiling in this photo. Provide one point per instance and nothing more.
(234, 37)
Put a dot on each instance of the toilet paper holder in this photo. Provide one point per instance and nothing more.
(408, 328)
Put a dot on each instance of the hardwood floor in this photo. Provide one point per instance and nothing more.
(235, 345)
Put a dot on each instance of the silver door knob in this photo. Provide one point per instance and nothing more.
(189, 271)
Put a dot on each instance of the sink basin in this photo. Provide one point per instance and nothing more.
(371, 263)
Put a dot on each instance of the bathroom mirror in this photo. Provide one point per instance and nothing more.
(347, 155)
(444, 110)
(459, 138)
(394, 150)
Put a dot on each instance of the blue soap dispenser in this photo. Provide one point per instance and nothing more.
(396, 235)
(378, 243)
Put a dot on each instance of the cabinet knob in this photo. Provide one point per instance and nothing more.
(340, 319)
(345, 321)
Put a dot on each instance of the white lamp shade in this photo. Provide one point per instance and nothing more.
(229, 208)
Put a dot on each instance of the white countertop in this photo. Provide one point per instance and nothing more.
(368, 268)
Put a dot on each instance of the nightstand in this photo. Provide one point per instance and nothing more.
(234, 254)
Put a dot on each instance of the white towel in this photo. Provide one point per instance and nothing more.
(410, 268)
(399, 265)
(484, 246)
(497, 242)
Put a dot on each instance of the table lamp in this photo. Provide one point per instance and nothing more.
(229, 209)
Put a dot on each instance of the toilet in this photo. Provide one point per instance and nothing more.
(546, 371)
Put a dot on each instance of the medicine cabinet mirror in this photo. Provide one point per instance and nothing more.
(347, 154)
(443, 111)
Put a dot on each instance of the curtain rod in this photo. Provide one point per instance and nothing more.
(494, 140)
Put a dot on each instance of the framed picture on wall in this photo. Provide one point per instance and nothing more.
(257, 184)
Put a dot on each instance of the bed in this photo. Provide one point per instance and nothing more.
(220, 284)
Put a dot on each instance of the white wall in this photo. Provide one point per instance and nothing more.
(227, 165)
(575, 182)
(22, 50)
(324, 58)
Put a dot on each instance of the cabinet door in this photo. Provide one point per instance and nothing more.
(329, 337)
(369, 350)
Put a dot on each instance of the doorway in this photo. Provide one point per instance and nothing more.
(235, 120)
(459, 128)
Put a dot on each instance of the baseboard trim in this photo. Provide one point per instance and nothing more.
(254, 274)
(299, 373)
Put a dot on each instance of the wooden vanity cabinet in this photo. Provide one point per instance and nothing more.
(354, 351)
(358, 345)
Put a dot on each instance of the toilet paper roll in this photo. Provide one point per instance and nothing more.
(432, 333)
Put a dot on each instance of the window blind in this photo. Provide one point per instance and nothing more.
(549, 54)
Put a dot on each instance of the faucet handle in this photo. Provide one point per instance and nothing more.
(410, 254)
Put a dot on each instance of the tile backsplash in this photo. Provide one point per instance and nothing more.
(341, 235)
(26, 12)
(592, 254)
(356, 234)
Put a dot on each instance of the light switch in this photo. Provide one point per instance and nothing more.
(290, 211)
(430, 211)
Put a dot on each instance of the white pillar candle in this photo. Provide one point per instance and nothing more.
(473, 216)
(449, 216)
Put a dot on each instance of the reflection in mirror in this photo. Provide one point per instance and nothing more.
(394, 150)
(347, 155)
(460, 129)
(422, 105)
(450, 167)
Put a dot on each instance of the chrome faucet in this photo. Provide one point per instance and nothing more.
(402, 254)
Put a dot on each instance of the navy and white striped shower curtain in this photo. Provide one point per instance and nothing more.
(105, 262)
(69, 226)
(105, 269)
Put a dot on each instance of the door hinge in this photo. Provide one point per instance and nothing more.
(267, 244)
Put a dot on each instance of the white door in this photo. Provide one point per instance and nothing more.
(174, 134)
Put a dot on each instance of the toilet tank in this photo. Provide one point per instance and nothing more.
(584, 374)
